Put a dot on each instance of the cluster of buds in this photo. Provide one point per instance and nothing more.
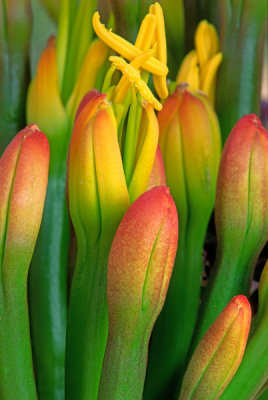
(139, 163)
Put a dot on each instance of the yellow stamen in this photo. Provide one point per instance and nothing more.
(124, 83)
(126, 49)
(143, 42)
(146, 33)
(155, 9)
(160, 83)
(134, 76)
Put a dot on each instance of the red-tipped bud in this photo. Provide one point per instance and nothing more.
(23, 183)
(219, 353)
(190, 141)
(241, 209)
(139, 269)
(141, 261)
(98, 195)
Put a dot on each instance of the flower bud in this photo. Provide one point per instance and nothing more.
(139, 269)
(191, 145)
(241, 209)
(251, 375)
(241, 216)
(23, 182)
(189, 138)
(219, 353)
(98, 193)
(141, 259)
(44, 105)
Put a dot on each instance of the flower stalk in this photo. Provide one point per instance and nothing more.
(23, 179)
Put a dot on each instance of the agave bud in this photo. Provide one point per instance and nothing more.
(23, 183)
(241, 209)
(219, 353)
(189, 138)
(191, 145)
(44, 105)
(251, 375)
(98, 193)
(241, 216)
(139, 269)
(23, 180)
(98, 199)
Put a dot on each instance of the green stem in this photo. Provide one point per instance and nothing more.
(16, 368)
(174, 328)
(124, 368)
(229, 278)
(48, 291)
(87, 327)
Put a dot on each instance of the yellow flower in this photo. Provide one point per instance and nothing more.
(200, 66)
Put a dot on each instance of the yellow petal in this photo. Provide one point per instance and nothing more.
(206, 42)
(160, 83)
(124, 83)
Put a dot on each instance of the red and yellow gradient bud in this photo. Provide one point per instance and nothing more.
(241, 209)
(141, 259)
(241, 216)
(191, 146)
(44, 105)
(219, 353)
(189, 138)
(23, 182)
(158, 175)
(98, 195)
(139, 269)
